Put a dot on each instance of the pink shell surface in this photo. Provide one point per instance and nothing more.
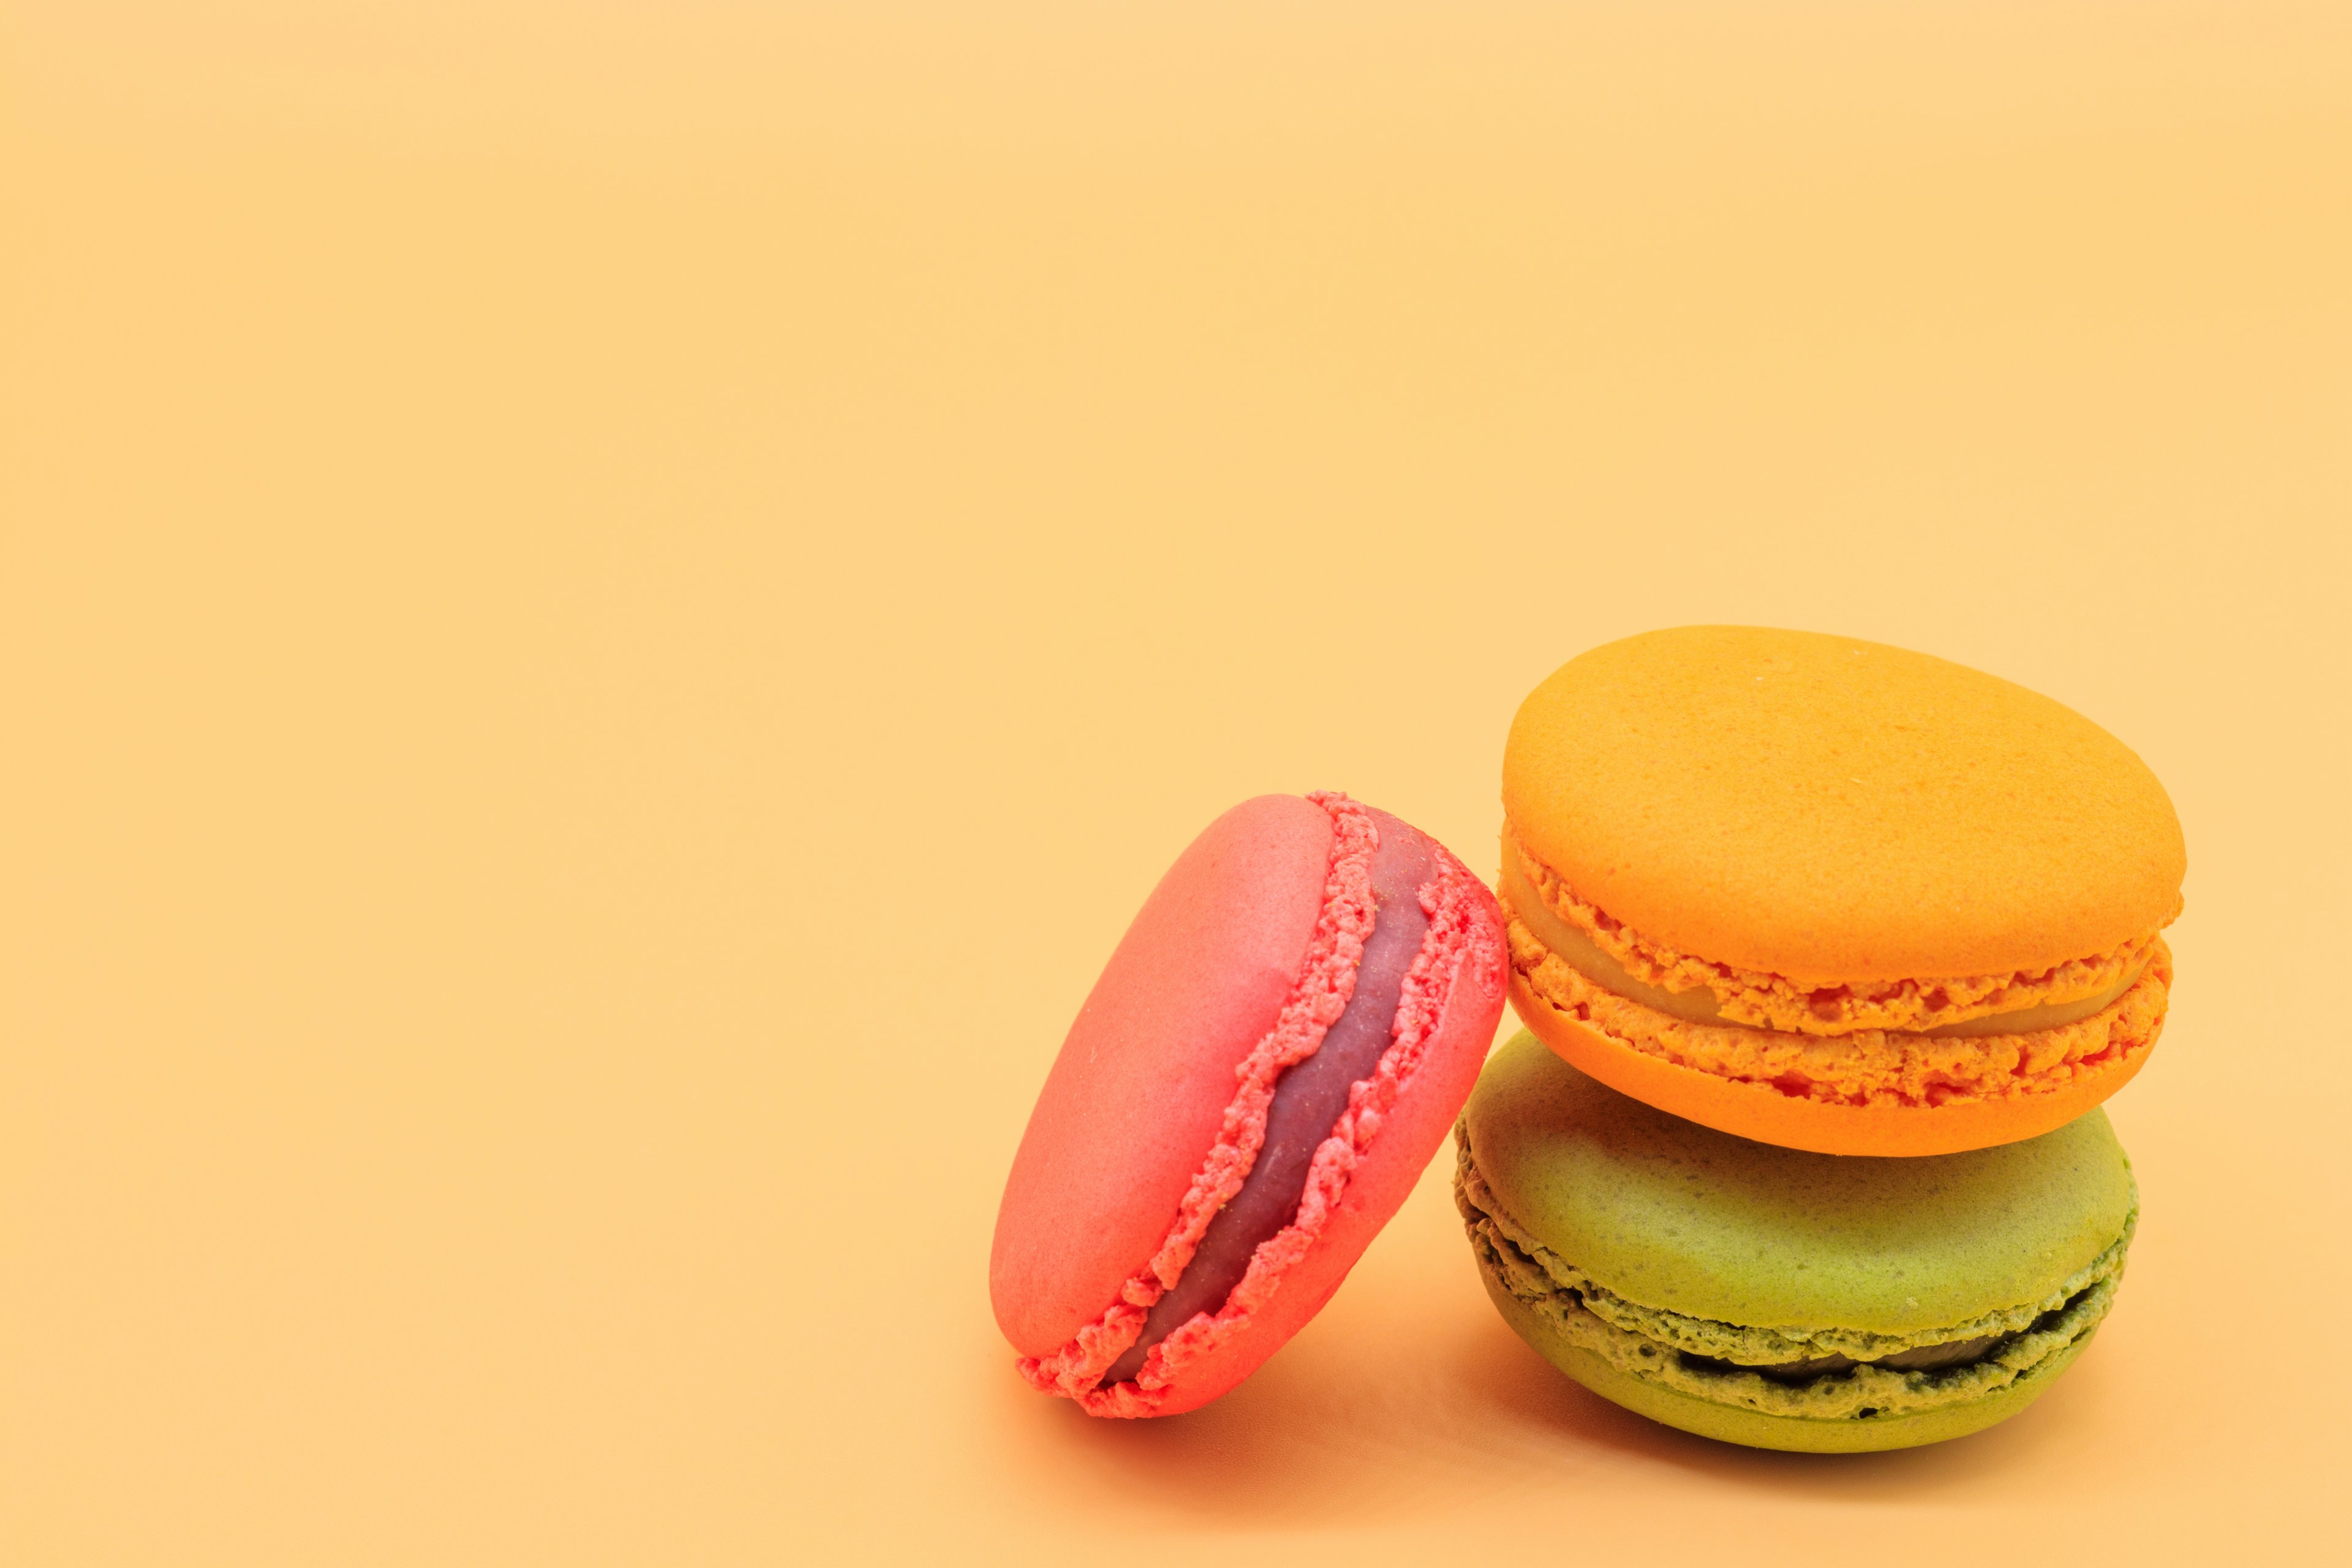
(1138, 1096)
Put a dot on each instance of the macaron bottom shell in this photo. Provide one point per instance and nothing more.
(1764, 1113)
(1759, 1430)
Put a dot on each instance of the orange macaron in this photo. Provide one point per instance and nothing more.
(1833, 895)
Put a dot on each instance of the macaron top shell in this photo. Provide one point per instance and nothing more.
(1833, 810)
(1680, 1217)
(1141, 1085)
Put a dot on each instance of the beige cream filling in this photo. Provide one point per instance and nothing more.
(1582, 953)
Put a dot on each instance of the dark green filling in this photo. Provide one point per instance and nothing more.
(1927, 1358)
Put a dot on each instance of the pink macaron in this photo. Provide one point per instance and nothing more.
(1275, 1052)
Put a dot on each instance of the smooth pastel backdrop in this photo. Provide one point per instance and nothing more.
(606, 609)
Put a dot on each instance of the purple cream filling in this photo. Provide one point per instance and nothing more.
(1308, 1098)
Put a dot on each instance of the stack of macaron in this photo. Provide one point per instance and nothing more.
(1827, 954)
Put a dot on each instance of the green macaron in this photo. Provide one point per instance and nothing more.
(1777, 1297)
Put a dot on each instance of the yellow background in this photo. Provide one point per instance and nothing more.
(609, 607)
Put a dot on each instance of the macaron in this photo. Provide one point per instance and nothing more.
(1833, 895)
(1269, 1060)
(1778, 1298)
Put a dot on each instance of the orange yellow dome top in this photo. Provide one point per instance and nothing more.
(1835, 811)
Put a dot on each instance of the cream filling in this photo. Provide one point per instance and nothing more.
(1582, 953)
